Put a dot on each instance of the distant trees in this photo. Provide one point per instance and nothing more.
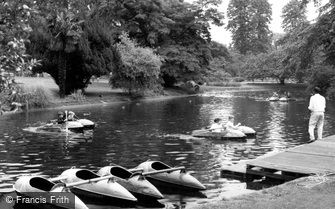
(249, 23)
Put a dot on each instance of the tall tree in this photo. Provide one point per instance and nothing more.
(294, 16)
(249, 23)
(179, 31)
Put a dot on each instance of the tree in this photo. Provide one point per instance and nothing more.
(178, 30)
(137, 67)
(14, 31)
(294, 16)
(249, 24)
(73, 46)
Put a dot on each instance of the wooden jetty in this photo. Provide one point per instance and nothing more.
(314, 158)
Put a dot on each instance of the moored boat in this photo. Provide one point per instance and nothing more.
(39, 187)
(174, 178)
(136, 183)
(104, 189)
(231, 134)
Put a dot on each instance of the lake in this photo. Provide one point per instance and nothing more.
(132, 132)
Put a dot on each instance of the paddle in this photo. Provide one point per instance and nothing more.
(135, 169)
(158, 171)
(59, 178)
(88, 181)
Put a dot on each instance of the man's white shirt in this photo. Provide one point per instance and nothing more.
(317, 103)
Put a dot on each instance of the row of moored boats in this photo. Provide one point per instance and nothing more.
(112, 183)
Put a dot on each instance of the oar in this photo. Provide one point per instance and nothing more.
(135, 169)
(59, 178)
(88, 181)
(163, 171)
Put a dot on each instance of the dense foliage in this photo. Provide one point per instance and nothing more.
(249, 23)
(14, 33)
(137, 68)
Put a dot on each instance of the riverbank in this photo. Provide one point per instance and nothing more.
(312, 192)
(99, 92)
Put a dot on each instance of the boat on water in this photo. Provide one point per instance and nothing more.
(273, 99)
(224, 134)
(105, 189)
(67, 127)
(247, 130)
(135, 183)
(160, 174)
(39, 187)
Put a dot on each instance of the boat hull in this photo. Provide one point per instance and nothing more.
(104, 189)
(178, 178)
(228, 135)
(137, 184)
(24, 187)
(86, 123)
(247, 130)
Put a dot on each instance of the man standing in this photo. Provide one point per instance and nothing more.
(317, 105)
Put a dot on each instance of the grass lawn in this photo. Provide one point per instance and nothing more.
(97, 92)
(315, 192)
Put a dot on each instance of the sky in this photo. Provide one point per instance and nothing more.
(221, 35)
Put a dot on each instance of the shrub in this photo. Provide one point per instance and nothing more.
(324, 77)
(36, 97)
(137, 68)
(78, 97)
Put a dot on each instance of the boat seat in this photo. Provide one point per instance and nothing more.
(159, 166)
(41, 183)
(120, 172)
(86, 175)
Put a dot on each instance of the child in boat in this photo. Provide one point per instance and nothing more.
(216, 126)
(275, 94)
(60, 117)
(71, 116)
(230, 124)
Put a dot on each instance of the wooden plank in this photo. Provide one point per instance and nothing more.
(271, 175)
(329, 139)
(297, 163)
(321, 148)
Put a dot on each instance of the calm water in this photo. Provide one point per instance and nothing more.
(130, 133)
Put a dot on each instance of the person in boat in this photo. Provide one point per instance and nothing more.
(216, 126)
(275, 94)
(71, 116)
(61, 117)
(230, 124)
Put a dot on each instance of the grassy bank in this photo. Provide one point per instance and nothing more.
(313, 192)
(99, 92)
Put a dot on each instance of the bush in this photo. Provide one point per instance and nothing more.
(239, 79)
(137, 68)
(36, 97)
(324, 77)
(78, 97)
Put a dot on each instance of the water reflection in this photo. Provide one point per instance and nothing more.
(130, 133)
